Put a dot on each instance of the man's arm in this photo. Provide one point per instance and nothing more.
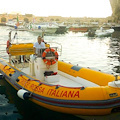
(34, 50)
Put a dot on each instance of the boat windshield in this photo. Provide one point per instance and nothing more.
(48, 54)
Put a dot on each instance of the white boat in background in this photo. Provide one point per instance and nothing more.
(104, 33)
(47, 27)
(62, 28)
(21, 28)
(99, 33)
(11, 22)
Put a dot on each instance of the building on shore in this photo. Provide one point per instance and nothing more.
(59, 19)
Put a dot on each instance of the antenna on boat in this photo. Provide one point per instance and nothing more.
(43, 32)
(10, 36)
(15, 35)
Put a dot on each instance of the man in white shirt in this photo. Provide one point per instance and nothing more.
(39, 44)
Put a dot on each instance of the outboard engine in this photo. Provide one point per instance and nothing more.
(115, 83)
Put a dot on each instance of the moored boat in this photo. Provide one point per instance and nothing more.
(104, 33)
(58, 85)
(100, 33)
(78, 28)
(47, 27)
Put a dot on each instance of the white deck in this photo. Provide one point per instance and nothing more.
(65, 80)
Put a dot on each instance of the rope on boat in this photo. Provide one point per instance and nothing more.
(31, 80)
(25, 82)
(35, 87)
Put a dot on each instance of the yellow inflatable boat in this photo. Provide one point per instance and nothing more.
(60, 86)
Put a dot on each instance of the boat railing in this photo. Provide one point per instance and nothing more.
(49, 54)
(56, 45)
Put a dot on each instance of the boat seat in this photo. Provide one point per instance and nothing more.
(16, 59)
(78, 80)
(20, 59)
(26, 58)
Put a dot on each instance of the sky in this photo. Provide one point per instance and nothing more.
(64, 8)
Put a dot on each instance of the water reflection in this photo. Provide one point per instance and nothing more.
(115, 54)
(7, 110)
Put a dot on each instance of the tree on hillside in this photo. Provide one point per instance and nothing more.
(26, 20)
(3, 19)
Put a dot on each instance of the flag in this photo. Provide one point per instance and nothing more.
(17, 24)
(33, 20)
(30, 26)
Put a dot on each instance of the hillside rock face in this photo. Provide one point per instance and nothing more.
(115, 5)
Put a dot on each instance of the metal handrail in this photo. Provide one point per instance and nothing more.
(58, 49)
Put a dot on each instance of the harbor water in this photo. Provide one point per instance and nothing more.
(101, 54)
